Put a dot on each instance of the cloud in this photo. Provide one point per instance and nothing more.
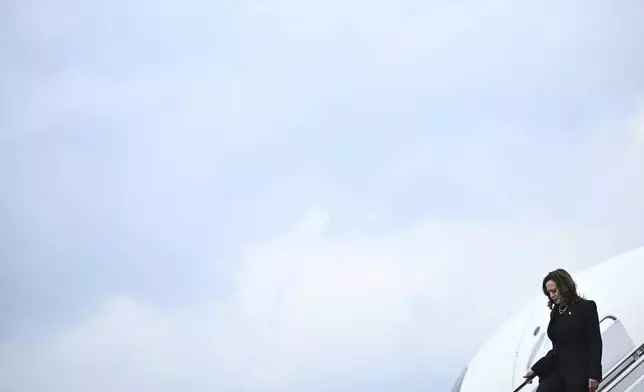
(309, 307)
(637, 131)
(155, 154)
(329, 304)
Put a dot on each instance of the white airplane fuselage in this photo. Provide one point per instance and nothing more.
(616, 285)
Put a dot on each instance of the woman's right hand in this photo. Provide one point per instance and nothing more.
(529, 375)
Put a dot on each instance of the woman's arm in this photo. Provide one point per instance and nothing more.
(595, 344)
(541, 367)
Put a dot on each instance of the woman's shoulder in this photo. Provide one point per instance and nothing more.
(586, 303)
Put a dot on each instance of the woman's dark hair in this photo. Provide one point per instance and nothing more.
(566, 285)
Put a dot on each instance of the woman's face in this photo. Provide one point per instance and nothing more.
(553, 291)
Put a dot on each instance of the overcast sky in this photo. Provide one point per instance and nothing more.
(287, 195)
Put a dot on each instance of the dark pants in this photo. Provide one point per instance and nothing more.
(554, 383)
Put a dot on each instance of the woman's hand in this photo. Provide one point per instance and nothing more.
(592, 385)
(530, 375)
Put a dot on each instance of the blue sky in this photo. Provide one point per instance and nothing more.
(300, 196)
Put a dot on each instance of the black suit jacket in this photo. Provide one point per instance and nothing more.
(576, 345)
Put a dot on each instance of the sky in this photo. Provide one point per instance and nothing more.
(286, 195)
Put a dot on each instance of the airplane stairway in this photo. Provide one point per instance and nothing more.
(627, 375)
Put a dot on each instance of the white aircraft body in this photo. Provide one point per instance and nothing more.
(617, 286)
